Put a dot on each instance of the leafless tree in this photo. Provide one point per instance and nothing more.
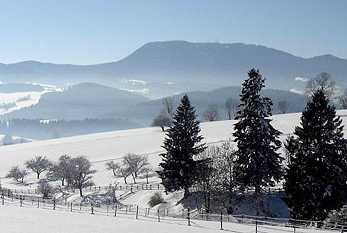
(343, 100)
(60, 170)
(124, 173)
(80, 173)
(115, 167)
(322, 82)
(162, 120)
(38, 165)
(17, 174)
(231, 108)
(134, 163)
(147, 170)
(283, 107)
(168, 105)
(211, 113)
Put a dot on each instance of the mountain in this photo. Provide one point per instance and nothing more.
(159, 69)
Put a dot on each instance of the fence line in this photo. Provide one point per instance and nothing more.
(261, 224)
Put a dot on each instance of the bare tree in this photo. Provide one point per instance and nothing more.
(322, 82)
(230, 107)
(17, 174)
(61, 169)
(115, 167)
(38, 165)
(283, 107)
(134, 163)
(168, 105)
(80, 173)
(124, 173)
(343, 100)
(211, 113)
(162, 120)
(147, 170)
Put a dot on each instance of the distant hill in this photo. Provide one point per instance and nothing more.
(164, 68)
(86, 100)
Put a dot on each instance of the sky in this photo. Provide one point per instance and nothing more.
(92, 32)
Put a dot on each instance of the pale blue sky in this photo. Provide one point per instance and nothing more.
(90, 32)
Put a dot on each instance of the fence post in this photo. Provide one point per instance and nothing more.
(20, 200)
(137, 212)
(92, 207)
(221, 220)
(188, 217)
(54, 204)
(38, 202)
(115, 211)
(71, 207)
(3, 199)
(294, 229)
(158, 215)
(256, 226)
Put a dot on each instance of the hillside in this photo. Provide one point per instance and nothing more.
(86, 100)
(96, 101)
(103, 147)
(164, 68)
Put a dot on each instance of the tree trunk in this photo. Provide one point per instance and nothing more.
(81, 195)
(186, 192)
(125, 180)
(62, 182)
(38, 175)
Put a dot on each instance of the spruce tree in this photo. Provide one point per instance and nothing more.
(316, 176)
(257, 162)
(182, 143)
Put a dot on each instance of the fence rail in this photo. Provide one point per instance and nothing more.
(130, 187)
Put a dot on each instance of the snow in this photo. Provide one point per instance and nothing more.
(34, 98)
(44, 220)
(103, 147)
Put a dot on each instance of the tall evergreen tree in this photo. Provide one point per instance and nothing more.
(316, 176)
(181, 144)
(257, 162)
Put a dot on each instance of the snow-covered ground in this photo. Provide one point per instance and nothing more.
(103, 147)
(16, 219)
(28, 98)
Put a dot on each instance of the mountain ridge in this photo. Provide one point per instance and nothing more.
(187, 66)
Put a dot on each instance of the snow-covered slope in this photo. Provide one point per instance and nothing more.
(46, 220)
(103, 147)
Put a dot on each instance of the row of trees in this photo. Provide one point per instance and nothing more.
(315, 178)
(76, 171)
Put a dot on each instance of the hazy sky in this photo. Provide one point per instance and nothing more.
(90, 32)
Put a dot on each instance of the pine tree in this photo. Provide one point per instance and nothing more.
(181, 144)
(316, 176)
(257, 162)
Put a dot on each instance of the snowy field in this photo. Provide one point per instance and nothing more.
(44, 220)
(29, 98)
(111, 146)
